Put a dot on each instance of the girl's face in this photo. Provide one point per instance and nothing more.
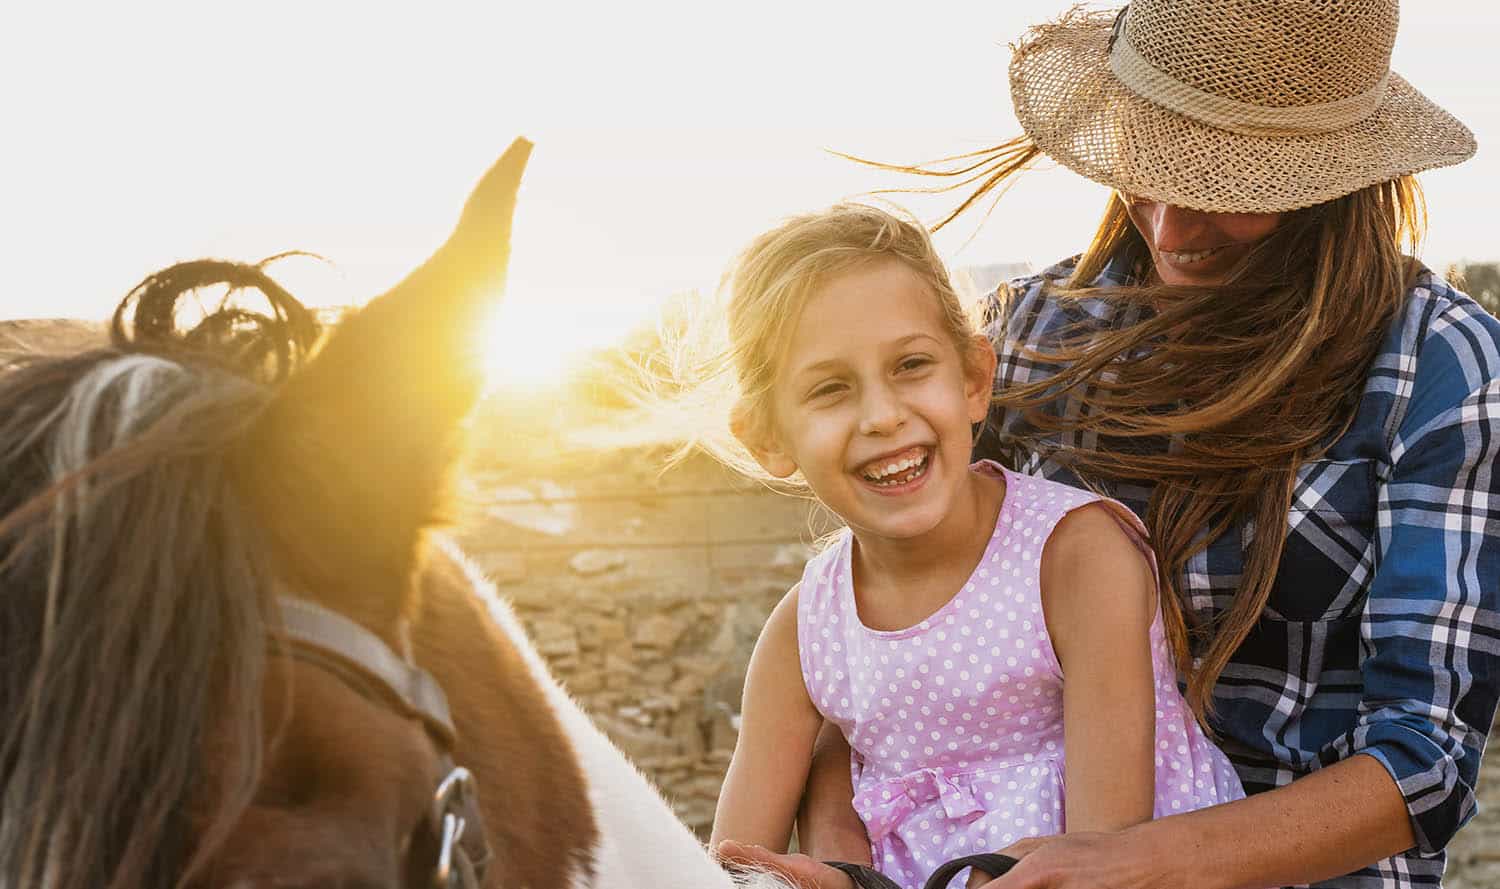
(874, 402)
(1190, 247)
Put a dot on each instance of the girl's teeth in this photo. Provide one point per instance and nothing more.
(908, 468)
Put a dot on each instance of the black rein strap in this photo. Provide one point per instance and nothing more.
(864, 877)
(991, 863)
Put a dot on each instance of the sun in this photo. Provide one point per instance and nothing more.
(528, 346)
(537, 340)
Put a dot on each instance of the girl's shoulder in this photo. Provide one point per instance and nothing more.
(823, 574)
(1034, 496)
(1057, 516)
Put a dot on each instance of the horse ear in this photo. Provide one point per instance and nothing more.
(351, 458)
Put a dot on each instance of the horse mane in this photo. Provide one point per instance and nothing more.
(259, 345)
(126, 555)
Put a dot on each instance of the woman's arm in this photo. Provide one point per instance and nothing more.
(1404, 775)
(1099, 597)
(777, 726)
(1329, 823)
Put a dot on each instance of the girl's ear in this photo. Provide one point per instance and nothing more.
(762, 445)
(979, 377)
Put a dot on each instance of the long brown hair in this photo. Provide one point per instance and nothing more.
(1214, 396)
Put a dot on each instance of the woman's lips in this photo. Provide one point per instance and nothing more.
(1192, 257)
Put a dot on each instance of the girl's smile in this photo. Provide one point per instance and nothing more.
(898, 473)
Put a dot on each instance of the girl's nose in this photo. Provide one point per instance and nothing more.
(881, 412)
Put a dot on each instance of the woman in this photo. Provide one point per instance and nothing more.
(1306, 419)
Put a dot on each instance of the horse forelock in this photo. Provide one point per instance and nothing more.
(131, 632)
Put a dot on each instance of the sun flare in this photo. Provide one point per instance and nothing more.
(534, 343)
(528, 346)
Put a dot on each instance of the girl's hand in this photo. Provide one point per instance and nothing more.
(1086, 861)
(799, 870)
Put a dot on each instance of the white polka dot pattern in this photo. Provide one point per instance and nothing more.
(956, 723)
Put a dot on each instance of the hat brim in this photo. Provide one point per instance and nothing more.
(1076, 111)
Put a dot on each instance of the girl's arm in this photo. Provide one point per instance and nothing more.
(828, 828)
(1099, 597)
(778, 723)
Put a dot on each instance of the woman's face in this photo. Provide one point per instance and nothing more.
(1196, 248)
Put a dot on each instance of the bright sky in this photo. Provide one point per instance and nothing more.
(667, 135)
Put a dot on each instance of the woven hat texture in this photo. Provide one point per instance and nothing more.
(1231, 106)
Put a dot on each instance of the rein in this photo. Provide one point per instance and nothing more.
(991, 863)
(362, 660)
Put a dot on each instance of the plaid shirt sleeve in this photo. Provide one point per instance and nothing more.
(1430, 630)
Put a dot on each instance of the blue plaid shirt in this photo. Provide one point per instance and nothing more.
(1382, 633)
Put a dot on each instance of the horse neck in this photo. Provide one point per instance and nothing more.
(638, 840)
(531, 789)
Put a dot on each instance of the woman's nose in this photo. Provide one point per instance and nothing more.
(1173, 227)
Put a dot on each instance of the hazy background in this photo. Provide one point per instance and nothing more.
(667, 134)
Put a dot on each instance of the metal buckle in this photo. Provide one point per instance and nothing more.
(453, 795)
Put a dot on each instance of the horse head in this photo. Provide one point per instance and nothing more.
(205, 538)
(231, 652)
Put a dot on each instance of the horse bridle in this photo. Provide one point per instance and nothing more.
(361, 659)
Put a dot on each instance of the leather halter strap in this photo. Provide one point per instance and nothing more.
(360, 658)
(324, 635)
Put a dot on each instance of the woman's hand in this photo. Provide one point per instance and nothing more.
(1086, 861)
(799, 870)
(1073, 861)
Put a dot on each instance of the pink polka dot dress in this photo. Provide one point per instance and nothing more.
(956, 724)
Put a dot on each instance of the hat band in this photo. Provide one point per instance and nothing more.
(1151, 83)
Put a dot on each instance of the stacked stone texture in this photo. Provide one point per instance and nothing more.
(645, 591)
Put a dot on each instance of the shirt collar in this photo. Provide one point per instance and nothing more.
(1122, 269)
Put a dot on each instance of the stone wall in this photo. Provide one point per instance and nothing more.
(645, 591)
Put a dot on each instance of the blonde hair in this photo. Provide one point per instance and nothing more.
(767, 288)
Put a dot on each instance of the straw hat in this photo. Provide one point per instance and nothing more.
(1236, 107)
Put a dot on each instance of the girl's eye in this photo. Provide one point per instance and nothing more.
(825, 390)
(913, 362)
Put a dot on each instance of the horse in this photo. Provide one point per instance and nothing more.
(237, 648)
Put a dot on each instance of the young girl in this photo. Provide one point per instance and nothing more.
(936, 631)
